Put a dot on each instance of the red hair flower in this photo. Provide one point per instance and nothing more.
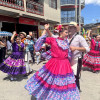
(59, 28)
(16, 34)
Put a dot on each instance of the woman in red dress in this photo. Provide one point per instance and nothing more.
(92, 58)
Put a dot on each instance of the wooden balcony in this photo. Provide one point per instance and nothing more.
(24, 5)
(15, 4)
(33, 7)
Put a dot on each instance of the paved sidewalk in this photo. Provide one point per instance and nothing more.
(90, 86)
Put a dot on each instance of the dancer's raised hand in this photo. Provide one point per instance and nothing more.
(46, 26)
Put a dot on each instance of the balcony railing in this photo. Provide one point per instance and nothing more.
(63, 2)
(16, 4)
(31, 6)
(34, 7)
(69, 19)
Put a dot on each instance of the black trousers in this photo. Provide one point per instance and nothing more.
(77, 82)
(2, 54)
(79, 66)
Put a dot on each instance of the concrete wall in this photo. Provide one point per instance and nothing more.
(49, 13)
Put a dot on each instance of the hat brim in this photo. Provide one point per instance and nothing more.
(77, 27)
(23, 33)
(72, 25)
(28, 37)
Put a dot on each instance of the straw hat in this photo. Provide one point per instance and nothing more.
(28, 36)
(23, 33)
(75, 25)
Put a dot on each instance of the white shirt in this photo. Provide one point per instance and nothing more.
(78, 41)
(9, 45)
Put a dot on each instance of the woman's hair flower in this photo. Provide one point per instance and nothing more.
(59, 28)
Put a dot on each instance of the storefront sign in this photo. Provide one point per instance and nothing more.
(8, 19)
(27, 21)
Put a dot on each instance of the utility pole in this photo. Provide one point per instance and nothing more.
(80, 16)
(76, 11)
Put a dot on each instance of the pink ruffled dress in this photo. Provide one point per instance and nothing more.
(92, 58)
(55, 80)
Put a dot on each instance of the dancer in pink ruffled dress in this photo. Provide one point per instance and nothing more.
(55, 80)
(92, 58)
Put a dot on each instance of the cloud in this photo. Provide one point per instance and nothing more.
(97, 2)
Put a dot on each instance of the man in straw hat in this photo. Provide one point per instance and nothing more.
(77, 45)
(22, 36)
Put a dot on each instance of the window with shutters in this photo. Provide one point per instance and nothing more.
(53, 4)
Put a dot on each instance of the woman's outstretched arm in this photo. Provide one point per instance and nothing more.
(12, 38)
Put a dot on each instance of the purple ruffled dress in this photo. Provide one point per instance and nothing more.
(14, 64)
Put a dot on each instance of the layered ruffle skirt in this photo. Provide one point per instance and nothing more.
(54, 81)
(14, 64)
(92, 60)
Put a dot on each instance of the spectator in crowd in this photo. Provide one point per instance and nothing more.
(22, 36)
(2, 48)
(38, 56)
(9, 45)
(32, 49)
(29, 47)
